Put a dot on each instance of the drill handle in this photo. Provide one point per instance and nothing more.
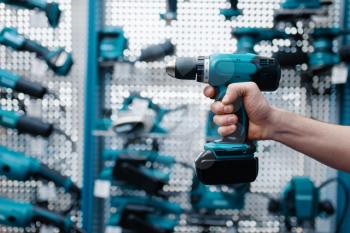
(240, 135)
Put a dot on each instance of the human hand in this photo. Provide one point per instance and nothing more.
(259, 111)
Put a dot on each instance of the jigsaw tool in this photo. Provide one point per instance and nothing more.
(229, 160)
(248, 37)
(300, 199)
(144, 214)
(130, 170)
(58, 60)
(23, 215)
(17, 166)
(51, 9)
(232, 11)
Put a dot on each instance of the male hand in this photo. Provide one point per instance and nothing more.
(259, 111)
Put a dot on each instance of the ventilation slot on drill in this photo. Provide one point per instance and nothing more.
(266, 62)
(200, 68)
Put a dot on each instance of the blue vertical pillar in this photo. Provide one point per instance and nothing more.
(91, 208)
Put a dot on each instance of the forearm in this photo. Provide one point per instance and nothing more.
(327, 143)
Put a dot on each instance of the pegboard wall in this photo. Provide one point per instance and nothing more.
(56, 151)
(200, 30)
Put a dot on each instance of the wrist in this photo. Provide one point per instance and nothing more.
(273, 124)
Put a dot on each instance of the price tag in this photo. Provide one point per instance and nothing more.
(102, 188)
(113, 229)
(339, 74)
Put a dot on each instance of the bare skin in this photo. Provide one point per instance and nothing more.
(327, 143)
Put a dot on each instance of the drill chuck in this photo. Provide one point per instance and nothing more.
(186, 68)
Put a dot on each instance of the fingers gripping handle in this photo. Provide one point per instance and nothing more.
(240, 135)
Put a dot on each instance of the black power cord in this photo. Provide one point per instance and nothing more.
(346, 200)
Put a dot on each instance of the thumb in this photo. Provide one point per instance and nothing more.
(234, 91)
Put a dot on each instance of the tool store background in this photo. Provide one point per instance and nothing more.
(96, 137)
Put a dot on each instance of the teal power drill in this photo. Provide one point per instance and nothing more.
(229, 160)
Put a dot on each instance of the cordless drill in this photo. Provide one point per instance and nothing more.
(229, 160)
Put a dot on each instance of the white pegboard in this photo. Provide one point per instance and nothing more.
(200, 30)
(56, 152)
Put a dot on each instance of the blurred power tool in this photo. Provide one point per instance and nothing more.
(131, 169)
(22, 214)
(300, 200)
(231, 159)
(248, 37)
(289, 57)
(157, 52)
(323, 57)
(24, 124)
(144, 215)
(19, 84)
(30, 125)
(171, 11)
(112, 44)
(294, 10)
(58, 60)
(140, 115)
(233, 11)
(18, 166)
(51, 9)
(203, 199)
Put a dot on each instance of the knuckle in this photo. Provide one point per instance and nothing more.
(213, 107)
(216, 119)
(252, 85)
(221, 131)
(231, 87)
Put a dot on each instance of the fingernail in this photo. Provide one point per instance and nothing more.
(227, 109)
(231, 120)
